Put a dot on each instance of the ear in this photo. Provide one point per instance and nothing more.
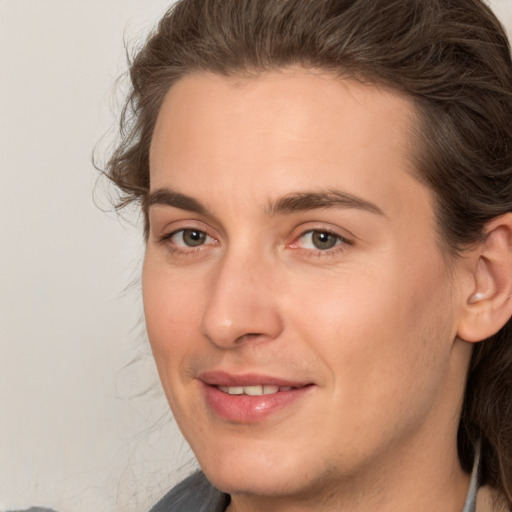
(488, 300)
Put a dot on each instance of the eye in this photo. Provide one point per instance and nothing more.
(320, 240)
(189, 238)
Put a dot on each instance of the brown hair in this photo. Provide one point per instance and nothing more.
(450, 56)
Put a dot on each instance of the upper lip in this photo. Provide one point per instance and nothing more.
(222, 378)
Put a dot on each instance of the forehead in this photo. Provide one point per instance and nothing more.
(295, 101)
(282, 132)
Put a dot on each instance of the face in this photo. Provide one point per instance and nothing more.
(298, 306)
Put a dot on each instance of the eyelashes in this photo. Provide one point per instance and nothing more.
(311, 242)
(187, 242)
(319, 240)
(189, 237)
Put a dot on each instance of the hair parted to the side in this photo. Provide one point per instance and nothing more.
(451, 57)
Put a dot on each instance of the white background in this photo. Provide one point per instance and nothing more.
(83, 424)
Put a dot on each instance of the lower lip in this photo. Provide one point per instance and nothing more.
(250, 409)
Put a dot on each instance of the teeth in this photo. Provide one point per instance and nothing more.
(253, 390)
(232, 390)
(267, 389)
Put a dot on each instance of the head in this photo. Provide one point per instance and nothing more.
(440, 71)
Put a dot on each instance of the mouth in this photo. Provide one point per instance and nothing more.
(250, 398)
(257, 390)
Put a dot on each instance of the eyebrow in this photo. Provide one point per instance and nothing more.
(304, 201)
(291, 203)
(168, 197)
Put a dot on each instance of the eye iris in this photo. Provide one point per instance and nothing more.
(323, 240)
(193, 237)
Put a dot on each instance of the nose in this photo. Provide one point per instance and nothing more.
(242, 307)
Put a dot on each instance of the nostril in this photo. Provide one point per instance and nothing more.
(249, 336)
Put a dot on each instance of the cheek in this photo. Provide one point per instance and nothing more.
(172, 310)
(385, 335)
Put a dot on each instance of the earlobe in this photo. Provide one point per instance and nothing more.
(488, 306)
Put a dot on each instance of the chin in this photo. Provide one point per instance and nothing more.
(253, 482)
(258, 471)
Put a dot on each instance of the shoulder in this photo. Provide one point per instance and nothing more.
(34, 509)
(194, 494)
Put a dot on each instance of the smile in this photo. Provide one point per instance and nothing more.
(266, 389)
(250, 398)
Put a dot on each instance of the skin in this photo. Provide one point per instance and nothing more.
(372, 322)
